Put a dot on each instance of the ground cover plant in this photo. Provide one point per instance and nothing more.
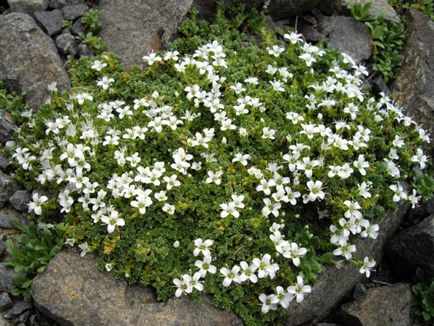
(238, 163)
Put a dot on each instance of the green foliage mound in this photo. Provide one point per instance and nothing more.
(237, 168)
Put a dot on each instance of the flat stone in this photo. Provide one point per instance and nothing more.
(385, 306)
(51, 21)
(7, 188)
(136, 27)
(7, 215)
(347, 35)
(67, 45)
(7, 128)
(73, 12)
(28, 6)
(19, 200)
(413, 87)
(72, 291)
(414, 247)
(29, 60)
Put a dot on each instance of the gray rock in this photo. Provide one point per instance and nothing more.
(149, 27)
(414, 247)
(73, 12)
(334, 284)
(84, 51)
(78, 28)
(7, 128)
(418, 213)
(30, 61)
(359, 291)
(7, 188)
(347, 35)
(7, 215)
(22, 319)
(378, 8)
(67, 44)
(28, 6)
(51, 21)
(413, 88)
(385, 306)
(19, 200)
(59, 4)
(2, 247)
(5, 163)
(17, 309)
(6, 275)
(5, 301)
(73, 292)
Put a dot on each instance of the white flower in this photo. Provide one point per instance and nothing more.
(367, 266)
(112, 220)
(293, 37)
(270, 208)
(248, 272)
(276, 50)
(214, 177)
(184, 285)
(105, 82)
(152, 58)
(169, 209)
(283, 296)
(231, 275)
(420, 158)
(242, 158)
(202, 247)
(268, 133)
(269, 302)
(299, 289)
(361, 164)
(36, 204)
(229, 209)
(265, 266)
(399, 192)
(345, 250)
(238, 200)
(294, 253)
(205, 266)
(98, 65)
(315, 190)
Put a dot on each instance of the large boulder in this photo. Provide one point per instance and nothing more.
(413, 88)
(29, 60)
(134, 28)
(73, 292)
(414, 247)
(385, 306)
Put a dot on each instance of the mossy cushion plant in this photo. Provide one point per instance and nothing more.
(231, 165)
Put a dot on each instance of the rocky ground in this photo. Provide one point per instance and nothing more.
(35, 47)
